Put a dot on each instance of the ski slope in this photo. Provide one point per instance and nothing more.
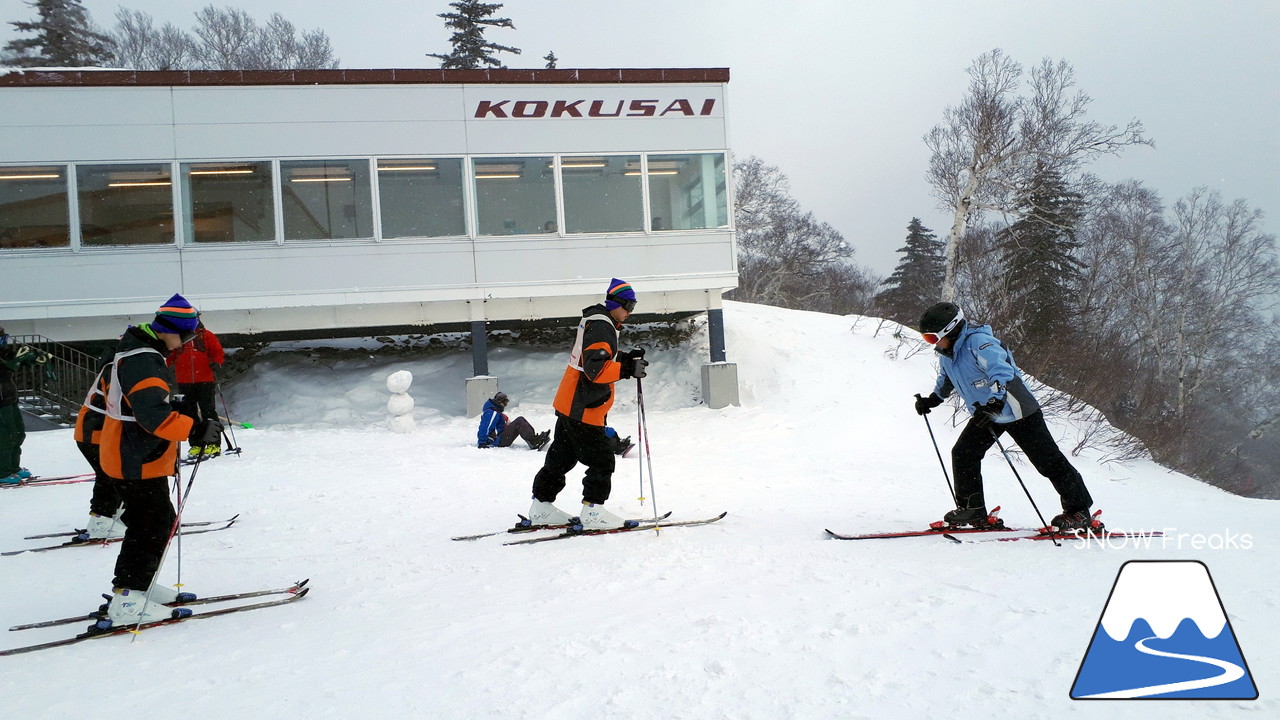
(758, 616)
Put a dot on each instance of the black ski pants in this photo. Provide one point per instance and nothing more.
(148, 518)
(576, 442)
(518, 428)
(199, 399)
(106, 496)
(1033, 436)
(12, 435)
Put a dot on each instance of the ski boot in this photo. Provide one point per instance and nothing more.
(978, 518)
(130, 607)
(595, 517)
(102, 527)
(1078, 522)
(544, 513)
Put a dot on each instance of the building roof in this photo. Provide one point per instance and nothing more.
(92, 77)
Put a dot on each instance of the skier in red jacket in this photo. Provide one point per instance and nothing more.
(196, 365)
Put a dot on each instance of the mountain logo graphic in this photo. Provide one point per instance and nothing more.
(1164, 635)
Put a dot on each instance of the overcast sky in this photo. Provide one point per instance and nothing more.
(838, 93)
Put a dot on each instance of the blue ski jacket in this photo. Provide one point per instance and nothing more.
(492, 423)
(980, 368)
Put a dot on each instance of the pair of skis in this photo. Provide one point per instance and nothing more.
(1027, 534)
(39, 480)
(293, 593)
(569, 530)
(192, 528)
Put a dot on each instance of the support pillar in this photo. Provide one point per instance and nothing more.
(719, 378)
(482, 385)
(715, 332)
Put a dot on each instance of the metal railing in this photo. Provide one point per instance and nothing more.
(55, 389)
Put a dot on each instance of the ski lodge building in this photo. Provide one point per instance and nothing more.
(343, 202)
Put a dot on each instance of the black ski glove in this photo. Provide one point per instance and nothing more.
(633, 363)
(985, 415)
(634, 367)
(207, 432)
(925, 404)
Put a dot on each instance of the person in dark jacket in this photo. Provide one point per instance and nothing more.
(195, 365)
(976, 365)
(105, 506)
(12, 431)
(497, 431)
(138, 449)
(582, 407)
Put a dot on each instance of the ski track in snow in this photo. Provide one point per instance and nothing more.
(758, 616)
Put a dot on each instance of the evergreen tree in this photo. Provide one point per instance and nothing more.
(1041, 272)
(63, 37)
(551, 60)
(916, 283)
(470, 50)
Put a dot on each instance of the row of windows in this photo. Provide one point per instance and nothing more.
(104, 205)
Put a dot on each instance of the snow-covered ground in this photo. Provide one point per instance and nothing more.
(757, 616)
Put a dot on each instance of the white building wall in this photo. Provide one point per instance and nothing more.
(87, 293)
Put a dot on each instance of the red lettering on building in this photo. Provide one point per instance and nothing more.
(487, 106)
(562, 108)
(597, 105)
(524, 109)
(643, 108)
(681, 106)
(530, 108)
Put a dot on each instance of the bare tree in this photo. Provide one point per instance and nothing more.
(279, 45)
(223, 39)
(782, 251)
(988, 148)
(1227, 269)
(135, 43)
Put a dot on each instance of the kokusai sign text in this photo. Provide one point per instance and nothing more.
(593, 108)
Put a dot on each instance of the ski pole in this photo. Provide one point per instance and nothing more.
(938, 452)
(648, 456)
(218, 386)
(1009, 460)
(639, 442)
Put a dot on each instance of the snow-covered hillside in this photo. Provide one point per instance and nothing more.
(759, 616)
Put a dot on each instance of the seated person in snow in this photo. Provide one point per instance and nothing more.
(497, 431)
(620, 445)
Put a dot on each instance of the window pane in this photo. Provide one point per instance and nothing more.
(229, 202)
(125, 204)
(33, 207)
(326, 199)
(421, 198)
(687, 192)
(602, 194)
(515, 196)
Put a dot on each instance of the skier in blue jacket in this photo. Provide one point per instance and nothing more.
(973, 363)
(496, 431)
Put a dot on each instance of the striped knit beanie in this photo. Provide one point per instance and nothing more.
(619, 295)
(176, 316)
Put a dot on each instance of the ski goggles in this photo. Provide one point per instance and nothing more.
(628, 304)
(933, 338)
